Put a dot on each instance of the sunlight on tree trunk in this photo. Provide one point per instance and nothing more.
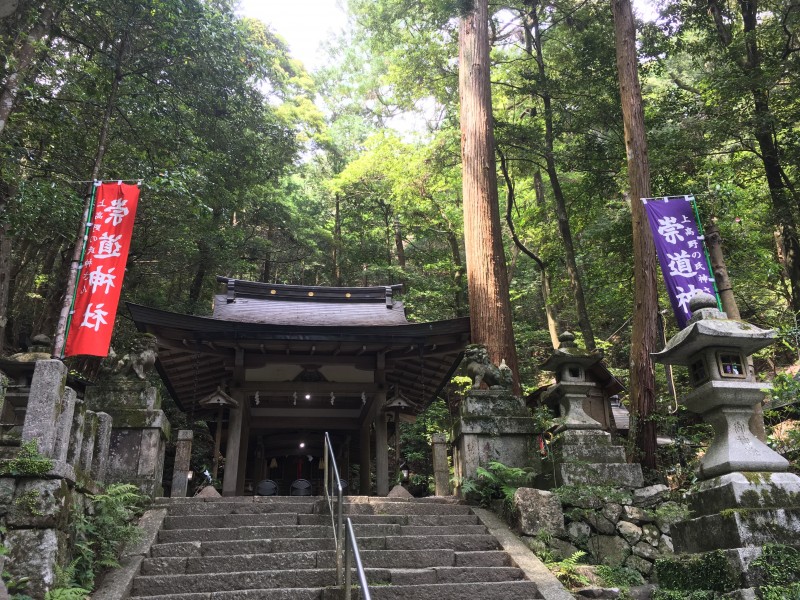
(645, 309)
(490, 306)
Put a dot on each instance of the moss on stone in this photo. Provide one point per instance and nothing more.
(706, 571)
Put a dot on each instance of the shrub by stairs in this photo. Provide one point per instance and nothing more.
(281, 548)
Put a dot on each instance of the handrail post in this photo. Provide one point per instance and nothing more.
(347, 568)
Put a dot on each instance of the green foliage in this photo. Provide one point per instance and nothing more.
(27, 463)
(101, 532)
(415, 445)
(785, 390)
(497, 482)
(621, 577)
(29, 502)
(780, 592)
(567, 570)
(779, 565)
(662, 594)
(707, 571)
(72, 593)
(588, 496)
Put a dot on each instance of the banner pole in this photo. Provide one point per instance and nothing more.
(705, 249)
(65, 318)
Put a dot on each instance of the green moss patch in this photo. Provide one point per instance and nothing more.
(709, 571)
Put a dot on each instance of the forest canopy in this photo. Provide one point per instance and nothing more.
(254, 168)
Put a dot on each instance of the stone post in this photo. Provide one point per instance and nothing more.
(44, 405)
(381, 453)
(102, 444)
(183, 456)
(64, 426)
(90, 426)
(441, 470)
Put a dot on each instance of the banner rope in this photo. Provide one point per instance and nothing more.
(705, 248)
(87, 228)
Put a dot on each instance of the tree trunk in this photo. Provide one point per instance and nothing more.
(561, 206)
(337, 243)
(105, 124)
(645, 310)
(490, 306)
(22, 60)
(549, 309)
(5, 281)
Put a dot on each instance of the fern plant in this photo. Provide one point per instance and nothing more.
(497, 482)
(567, 570)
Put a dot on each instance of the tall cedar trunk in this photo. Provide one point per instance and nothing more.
(549, 309)
(105, 124)
(645, 310)
(22, 59)
(490, 306)
(561, 206)
(5, 282)
(459, 302)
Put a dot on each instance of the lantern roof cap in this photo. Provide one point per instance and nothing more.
(569, 353)
(710, 327)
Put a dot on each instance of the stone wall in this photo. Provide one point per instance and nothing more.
(62, 457)
(614, 526)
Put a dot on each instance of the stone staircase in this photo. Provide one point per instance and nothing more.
(282, 548)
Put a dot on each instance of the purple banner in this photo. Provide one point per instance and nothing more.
(680, 251)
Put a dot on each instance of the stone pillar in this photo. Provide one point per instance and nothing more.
(183, 456)
(76, 434)
(365, 481)
(235, 425)
(90, 425)
(44, 405)
(493, 425)
(64, 426)
(381, 452)
(441, 470)
(244, 443)
(102, 447)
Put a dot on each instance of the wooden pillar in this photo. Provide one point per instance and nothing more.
(381, 447)
(241, 472)
(365, 485)
(235, 425)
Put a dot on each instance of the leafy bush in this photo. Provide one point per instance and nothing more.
(621, 577)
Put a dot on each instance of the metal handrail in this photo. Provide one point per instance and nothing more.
(351, 544)
(331, 477)
(344, 540)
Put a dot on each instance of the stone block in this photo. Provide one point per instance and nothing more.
(441, 469)
(645, 550)
(738, 528)
(609, 550)
(745, 490)
(632, 533)
(64, 425)
(7, 487)
(44, 405)
(587, 453)
(639, 564)
(665, 545)
(651, 534)
(561, 548)
(538, 510)
(614, 474)
(600, 523)
(584, 437)
(492, 403)
(612, 511)
(668, 514)
(634, 514)
(43, 503)
(39, 565)
(650, 495)
(578, 533)
(181, 468)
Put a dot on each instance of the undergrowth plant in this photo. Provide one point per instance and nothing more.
(101, 532)
(567, 570)
(497, 482)
(27, 463)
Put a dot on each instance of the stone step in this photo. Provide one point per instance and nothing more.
(269, 594)
(416, 520)
(188, 509)
(234, 520)
(506, 590)
(162, 502)
(482, 558)
(405, 508)
(243, 533)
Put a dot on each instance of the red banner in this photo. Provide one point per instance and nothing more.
(99, 282)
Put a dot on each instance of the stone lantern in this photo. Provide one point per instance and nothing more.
(715, 349)
(582, 453)
(572, 386)
(744, 498)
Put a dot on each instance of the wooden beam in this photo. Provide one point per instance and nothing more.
(284, 388)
